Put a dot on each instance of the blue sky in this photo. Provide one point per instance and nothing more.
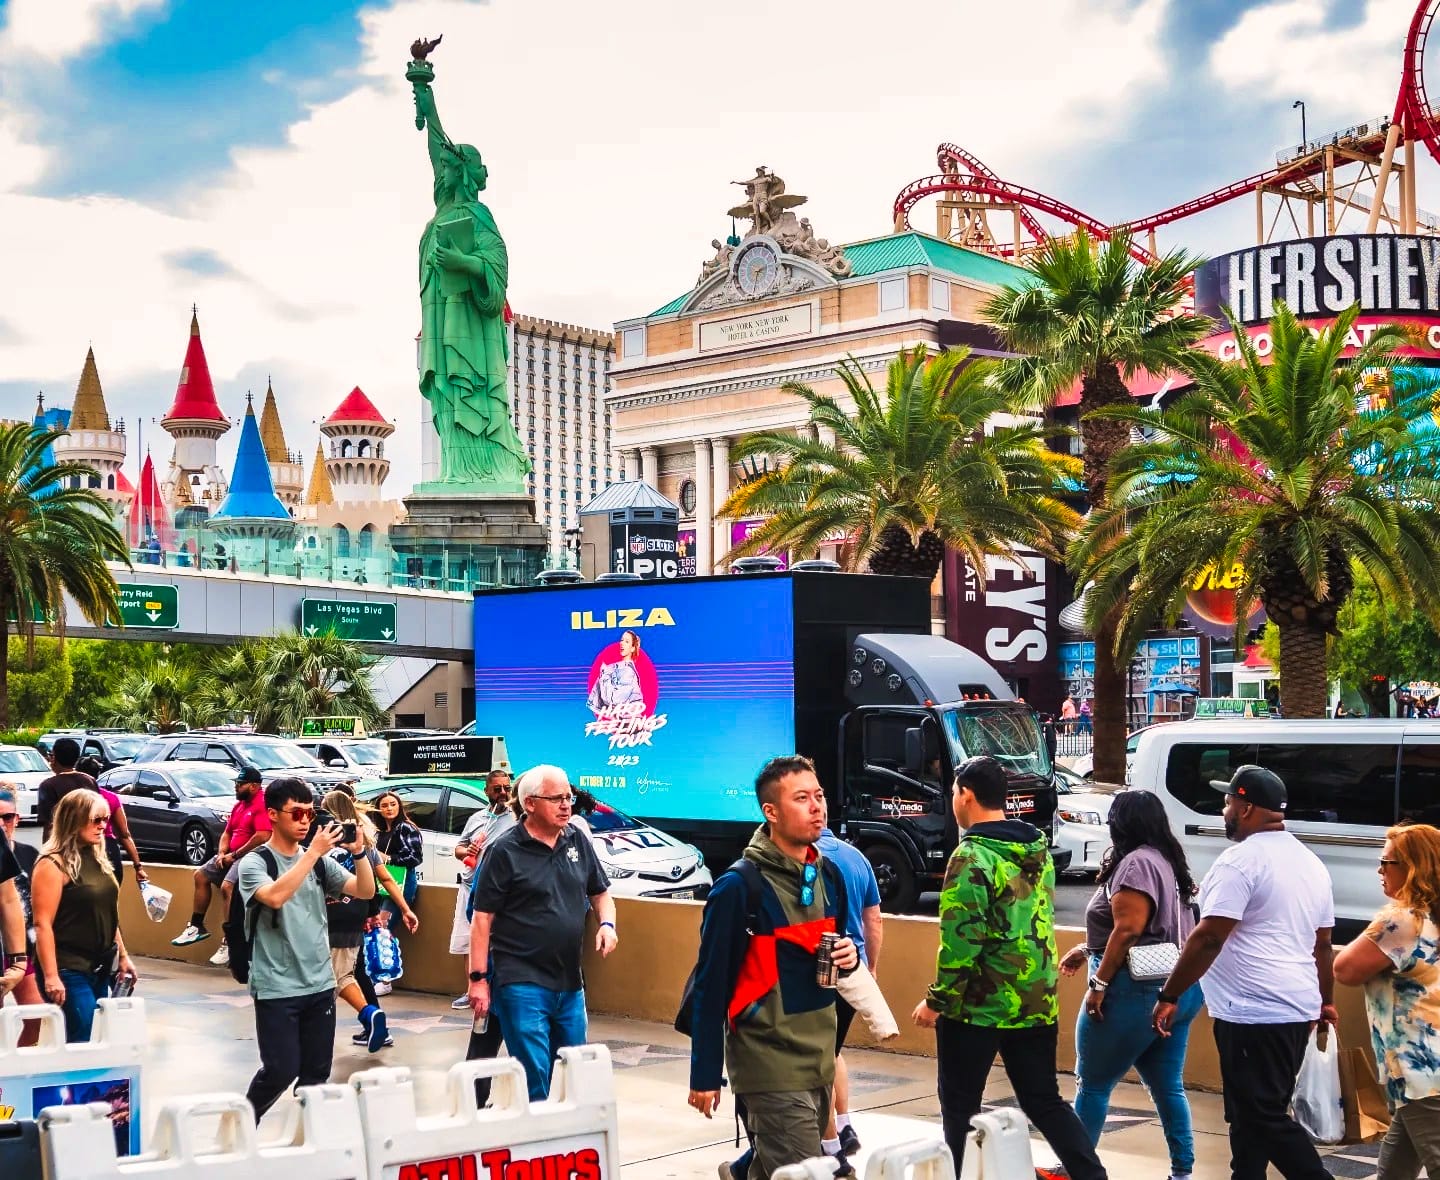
(259, 158)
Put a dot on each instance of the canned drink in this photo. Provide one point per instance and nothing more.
(481, 1023)
(826, 973)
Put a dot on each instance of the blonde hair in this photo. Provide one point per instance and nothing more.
(72, 818)
(1417, 848)
(342, 805)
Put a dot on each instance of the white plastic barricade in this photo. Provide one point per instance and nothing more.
(924, 1159)
(105, 1069)
(997, 1148)
(817, 1167)
(212, 1137)
(570, 1136)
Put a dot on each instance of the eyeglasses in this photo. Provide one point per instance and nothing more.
(807, 890)
(299, 813)
(568, 800)
(10, 817)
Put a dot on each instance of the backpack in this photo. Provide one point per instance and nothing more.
(749, 873)
(239, 925)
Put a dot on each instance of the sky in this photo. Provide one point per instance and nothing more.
(259, 160)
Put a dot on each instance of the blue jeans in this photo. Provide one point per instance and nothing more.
(1106, 1050)
(537, 1022)
(83, 992)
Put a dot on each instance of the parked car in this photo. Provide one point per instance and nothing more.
(1084, 765)
(176, 809)
(273, 757)
(366, 757)
(640, 861)
(413, 732)
(25, 768)
(1082, 817)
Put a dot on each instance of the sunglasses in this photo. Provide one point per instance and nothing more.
(299, 813)
(100, 819)
(807, 890)
(1384, 862)
(10, 817)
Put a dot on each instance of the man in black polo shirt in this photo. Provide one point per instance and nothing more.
(530, 906)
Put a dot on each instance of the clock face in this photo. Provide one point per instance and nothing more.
(757, 269)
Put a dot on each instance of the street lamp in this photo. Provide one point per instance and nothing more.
(1304, 138)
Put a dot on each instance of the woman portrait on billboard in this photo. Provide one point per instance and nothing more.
(618, 683)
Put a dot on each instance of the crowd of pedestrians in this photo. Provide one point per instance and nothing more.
(790, 937)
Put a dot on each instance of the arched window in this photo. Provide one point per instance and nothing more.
(310, 541)
(110, 483)
(345, 449)
(367, 540)
(342, 541)
(364, 448)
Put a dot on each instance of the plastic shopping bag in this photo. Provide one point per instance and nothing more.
(157, 901)
(1317, 1105)
(382, 956)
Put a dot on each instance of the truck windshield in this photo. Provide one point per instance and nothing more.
(1009, 735)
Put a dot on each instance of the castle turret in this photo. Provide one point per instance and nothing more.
(287, 468)
(356, 460)
(196, 423)
(319, 492)
(94, 440)
(251, 509)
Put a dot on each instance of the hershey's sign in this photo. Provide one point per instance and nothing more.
(1317, 277)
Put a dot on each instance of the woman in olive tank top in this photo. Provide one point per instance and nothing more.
(75, 900)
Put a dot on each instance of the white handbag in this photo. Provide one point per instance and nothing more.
(1155, 961)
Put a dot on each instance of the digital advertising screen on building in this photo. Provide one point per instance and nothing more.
(663, 699)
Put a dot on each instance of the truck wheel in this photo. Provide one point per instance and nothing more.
(895, 877)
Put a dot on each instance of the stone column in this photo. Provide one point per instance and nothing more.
(704, 511)
(650, 466)
(632, 464)
(720, 451)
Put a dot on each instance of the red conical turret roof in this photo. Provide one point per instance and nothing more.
(355, 408)
(149, 517)
(195, 394)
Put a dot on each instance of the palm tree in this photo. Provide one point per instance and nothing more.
(166, 694)
(312, 676)
(54, 540)
(910, 473)
(1093, 317)
(1277, 467)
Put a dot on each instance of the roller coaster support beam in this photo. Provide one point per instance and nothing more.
(1409, 214)
(1387, 162)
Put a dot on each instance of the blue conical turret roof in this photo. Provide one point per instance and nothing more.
(252, 493)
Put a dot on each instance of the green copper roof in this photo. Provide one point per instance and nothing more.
(895, 251)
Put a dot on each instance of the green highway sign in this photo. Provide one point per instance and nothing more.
(367, 622)
(155, 607)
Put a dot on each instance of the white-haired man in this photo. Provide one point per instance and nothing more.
(525, 938)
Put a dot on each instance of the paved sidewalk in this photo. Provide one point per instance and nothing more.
(202, 1039)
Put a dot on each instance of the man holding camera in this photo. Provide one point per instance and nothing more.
(291, 977)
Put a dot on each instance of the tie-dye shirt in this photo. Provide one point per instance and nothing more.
(1404, 1005)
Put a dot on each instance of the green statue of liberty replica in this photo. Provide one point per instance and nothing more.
(464, 351)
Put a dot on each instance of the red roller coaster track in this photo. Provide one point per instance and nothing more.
(962, 173)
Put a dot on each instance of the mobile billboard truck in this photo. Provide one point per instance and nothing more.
(665, 699)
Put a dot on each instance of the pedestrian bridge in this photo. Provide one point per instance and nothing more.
(171, 604)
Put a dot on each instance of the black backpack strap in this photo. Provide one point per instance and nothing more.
(749, 873)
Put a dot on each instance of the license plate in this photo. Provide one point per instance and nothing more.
(683, 895)
(1020, 804)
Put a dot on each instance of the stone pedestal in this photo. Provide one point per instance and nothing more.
(462, 541)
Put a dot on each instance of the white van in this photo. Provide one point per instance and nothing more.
(1347, 780)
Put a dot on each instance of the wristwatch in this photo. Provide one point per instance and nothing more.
(1096, 984)
(1164, 999)
(479, 977)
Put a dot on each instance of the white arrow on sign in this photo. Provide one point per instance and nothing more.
(310, 630)
(387, 632)
(153, 615)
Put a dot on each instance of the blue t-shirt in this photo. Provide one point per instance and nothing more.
(861, 888)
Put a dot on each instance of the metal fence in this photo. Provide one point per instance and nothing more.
(1074, 743)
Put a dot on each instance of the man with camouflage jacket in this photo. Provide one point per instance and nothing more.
(996, 974)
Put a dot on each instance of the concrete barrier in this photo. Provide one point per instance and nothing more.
(659, 940)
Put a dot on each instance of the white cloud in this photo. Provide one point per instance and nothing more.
(611, 133)
(1293, 50)
(53, 30)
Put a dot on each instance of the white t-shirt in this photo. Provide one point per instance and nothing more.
(1280, 894)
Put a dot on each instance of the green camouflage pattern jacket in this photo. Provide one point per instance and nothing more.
(997, 965)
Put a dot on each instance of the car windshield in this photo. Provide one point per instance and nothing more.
(203, 782)
(22, 762)
(274, 755)
(368, 753)
(125, 747)
(1008, 733)
(606, 819)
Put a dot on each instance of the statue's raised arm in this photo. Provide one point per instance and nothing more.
(420, 73)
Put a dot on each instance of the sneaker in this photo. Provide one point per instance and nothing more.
(221, 958)
(843, 1167)
(378, 1033)
(460, 1003)
(382, 988)
(728, 1172)
(190, 934)
(363, 1038)
(849, 1141)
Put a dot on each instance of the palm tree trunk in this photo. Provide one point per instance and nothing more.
(1110, 708)
(4, 667)
(1304, 681)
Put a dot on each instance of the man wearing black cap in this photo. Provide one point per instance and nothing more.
(248, 827)
(1262, 946)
